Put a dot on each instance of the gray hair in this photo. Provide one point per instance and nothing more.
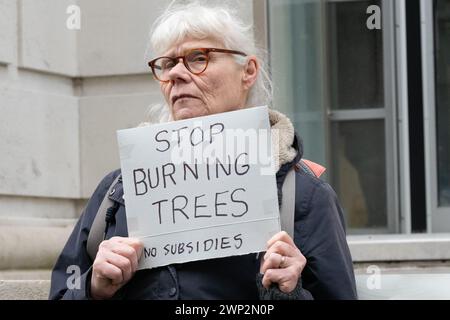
(199, 21)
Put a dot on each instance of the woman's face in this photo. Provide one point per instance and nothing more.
(222, 87)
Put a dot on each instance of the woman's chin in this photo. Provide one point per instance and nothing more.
(186, 113)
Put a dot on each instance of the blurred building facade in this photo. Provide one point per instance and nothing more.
(370, 102)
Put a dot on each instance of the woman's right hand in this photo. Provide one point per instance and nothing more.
(115, 264)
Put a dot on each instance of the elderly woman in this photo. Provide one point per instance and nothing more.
(207, 63)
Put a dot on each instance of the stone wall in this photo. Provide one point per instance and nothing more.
(63, 94)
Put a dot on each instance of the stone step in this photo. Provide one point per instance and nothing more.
(24, 289)
(37, 274)
(31, 247)
(24, 284)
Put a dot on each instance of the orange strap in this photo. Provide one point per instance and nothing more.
(315, 167)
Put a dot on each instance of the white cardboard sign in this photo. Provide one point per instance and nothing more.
(200, 188)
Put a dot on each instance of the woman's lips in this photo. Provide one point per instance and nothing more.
(185, 98)
(181, 97)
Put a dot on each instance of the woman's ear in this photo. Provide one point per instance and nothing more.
(251, 70)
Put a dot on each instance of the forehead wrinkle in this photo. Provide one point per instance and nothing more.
(179, 51)
(183, 46)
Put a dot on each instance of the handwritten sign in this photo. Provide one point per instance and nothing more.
(199, 188)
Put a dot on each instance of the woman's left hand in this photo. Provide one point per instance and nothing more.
(283, 263)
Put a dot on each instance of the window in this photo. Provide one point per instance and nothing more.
(436, 84)
(442, 80)
(332, 76)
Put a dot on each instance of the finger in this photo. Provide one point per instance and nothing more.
(283, 249)
(106, 270)
(281, 236)
(137, 245)
(285, 278)
(273, 261)
(121, 262)
(127, 252)
(277, 261)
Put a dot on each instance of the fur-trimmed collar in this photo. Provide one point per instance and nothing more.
(283, 133)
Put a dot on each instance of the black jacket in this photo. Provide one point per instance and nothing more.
(319, 234)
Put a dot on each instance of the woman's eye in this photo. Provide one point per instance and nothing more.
(168, 64)
(198, 57)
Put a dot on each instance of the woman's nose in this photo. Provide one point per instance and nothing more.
(179, 71)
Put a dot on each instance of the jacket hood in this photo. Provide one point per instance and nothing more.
(286, 146)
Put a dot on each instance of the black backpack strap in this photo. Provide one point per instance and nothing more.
(96, 234)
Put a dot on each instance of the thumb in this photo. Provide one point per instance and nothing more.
(139, 247)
